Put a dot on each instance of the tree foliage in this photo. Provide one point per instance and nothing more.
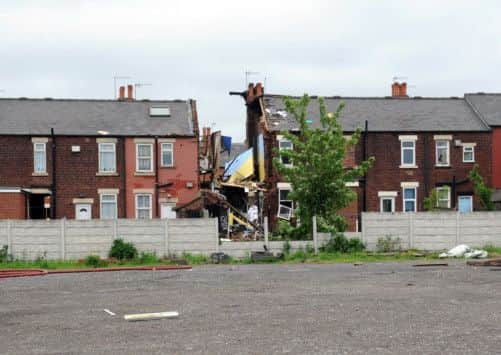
(483, 192)
(318, 176)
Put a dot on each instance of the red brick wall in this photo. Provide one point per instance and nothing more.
(76, 175)
(496, 157)
(12, 205)
(16, 162)
(386, 174)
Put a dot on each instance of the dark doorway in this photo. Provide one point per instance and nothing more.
(36, 207)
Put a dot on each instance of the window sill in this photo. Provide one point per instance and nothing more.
(40, 174)
(168, 167)
(442, 166)
(469, 162)
(106, 174)
(408, 166)
(144, 173)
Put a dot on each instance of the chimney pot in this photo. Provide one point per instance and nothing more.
(259, 89)
(250, 93)
(130, 92)
(403, 89)
(399, 89)
(121, 95)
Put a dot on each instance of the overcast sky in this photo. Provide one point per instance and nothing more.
(201, 49)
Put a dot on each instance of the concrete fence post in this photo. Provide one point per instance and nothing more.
(457, 227)
(9, 237)
(411, 230)
(216, 233)
(115, 229)
(166, 238)
(315, 235)
(364, 228)
(63, 238)
(266, 237)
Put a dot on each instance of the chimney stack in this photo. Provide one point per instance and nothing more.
(258, 90)
(121, 93)
(130, 92)
(399, 89)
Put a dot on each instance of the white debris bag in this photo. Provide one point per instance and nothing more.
(464, 250)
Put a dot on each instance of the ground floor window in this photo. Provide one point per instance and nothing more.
(108, 206)
(167, 210)
(443, 197)
(143, 206)
(387, 204)
(285, 204)
(409, 199)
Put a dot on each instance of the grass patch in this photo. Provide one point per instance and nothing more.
(196, 259)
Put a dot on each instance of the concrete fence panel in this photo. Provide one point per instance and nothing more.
(83, 238)
(34, 239)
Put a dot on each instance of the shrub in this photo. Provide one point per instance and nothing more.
(388, 244)
(286, 248)
(122, 250)
(339, 243)
(94, 261)
(4, 256)
(287, 231)
(148, 258)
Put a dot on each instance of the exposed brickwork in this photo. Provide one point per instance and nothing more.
(12, 205)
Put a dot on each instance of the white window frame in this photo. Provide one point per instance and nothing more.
(448, 200)
(164, 149)
(472, 147)
(392, 199)
(282, 139)
(448, 148)
(108, 202)
(137, 208)
(408, 139)
(44, 151)
(284, 187)
(409, 199)
(114, 151)
(150, 158)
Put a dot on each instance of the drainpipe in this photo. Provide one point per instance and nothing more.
(53, 185)
(124, 178)
(157, 200)
(364, 181)
(453, 192)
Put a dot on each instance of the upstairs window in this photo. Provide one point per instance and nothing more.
(468, 154)
(167, 154)
(285, 204)
(408, 152)
(107, 158)
(285, 144)
(442, 153)
(144, 157)
(40, 158)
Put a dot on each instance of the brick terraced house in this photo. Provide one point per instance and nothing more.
(83, 159)
(419, 144)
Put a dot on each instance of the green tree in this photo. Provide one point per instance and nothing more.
(483, 192)
(431, 202)
(318, 176)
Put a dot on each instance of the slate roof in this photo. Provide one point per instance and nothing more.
(384, 114)
(488, 106)
(86, 117)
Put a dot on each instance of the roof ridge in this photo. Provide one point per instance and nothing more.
(455, 98)
(49, 99)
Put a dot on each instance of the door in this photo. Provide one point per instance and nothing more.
(83, 211)
(166, 211)
(465, 204)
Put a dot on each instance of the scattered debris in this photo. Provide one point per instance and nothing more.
(109, 312)
(150, 316)
(463, 250)
(257, 256)
(488, 262)
(219, 258)
(358, 264)
(410, 283)
(430, 264)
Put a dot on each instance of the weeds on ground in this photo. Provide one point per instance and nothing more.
(388, 244)
(196, 259)
(492, 250)
(95, 261)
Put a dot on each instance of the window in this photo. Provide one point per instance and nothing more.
(285, 205)
(167, 154)
(409, 199)
(143, 206)
(144, 155)
(444, 197)
(442, 153)
(408, 148)
(40, 158)
(285, 144)
(107, 158)
(468, 154)
(108, 206)
(387, 204)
